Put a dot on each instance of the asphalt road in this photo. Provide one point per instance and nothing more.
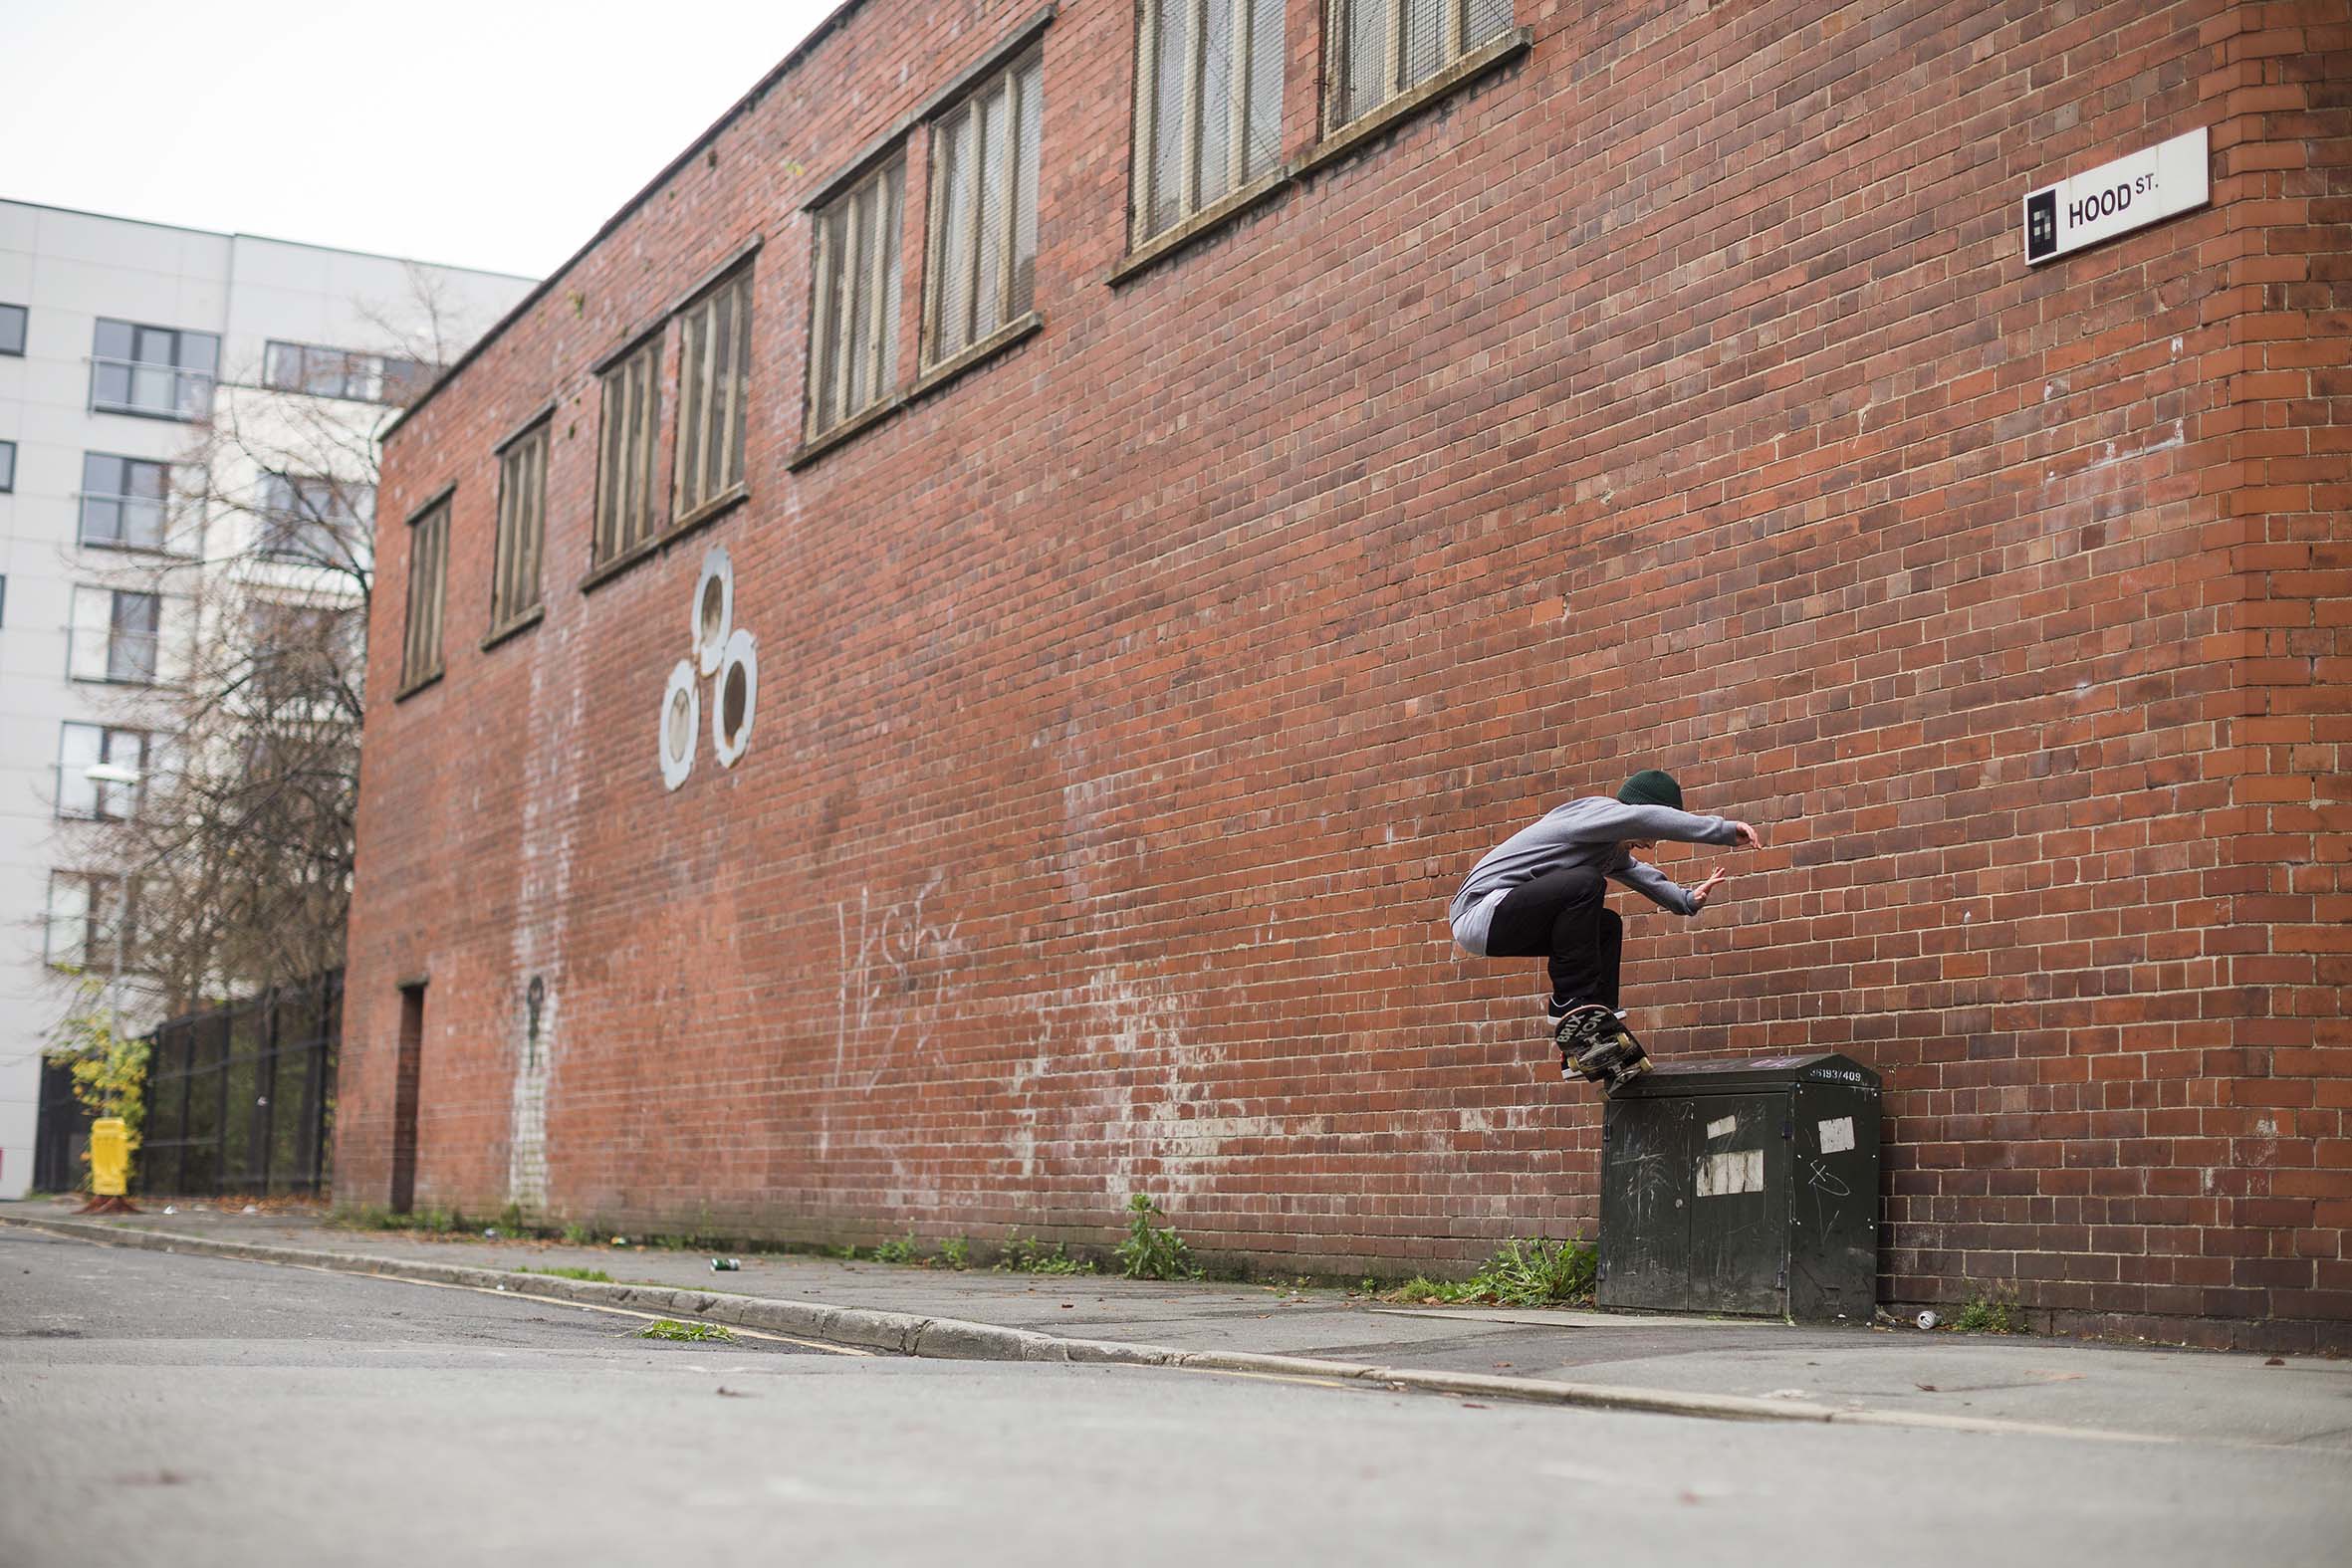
(167, 1408)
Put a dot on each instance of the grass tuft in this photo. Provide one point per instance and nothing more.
(669, 1328)
(1027, 1254)
(1520, 1273)
(1993, 1311)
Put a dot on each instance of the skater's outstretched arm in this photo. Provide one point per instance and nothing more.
(1599, 822)
(1661, 890)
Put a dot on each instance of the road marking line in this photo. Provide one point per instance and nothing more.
(1270, 1377)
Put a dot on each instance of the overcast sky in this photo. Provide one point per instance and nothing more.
(494, 134)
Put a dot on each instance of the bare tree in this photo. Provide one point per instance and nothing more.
(231, 838)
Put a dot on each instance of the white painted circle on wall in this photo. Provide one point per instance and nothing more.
(714, 607)
(735, 697)
(681, 716)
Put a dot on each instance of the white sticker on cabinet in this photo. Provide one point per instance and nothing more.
(1837, 1134)
(1735, 1170)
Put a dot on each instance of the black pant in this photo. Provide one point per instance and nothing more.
(1564, 916)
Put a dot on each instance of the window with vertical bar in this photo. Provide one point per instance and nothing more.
(853, 324)
(714, 377)
(624, 460)
(314, 520)
(428, 573)
(109, 797)
(980, 268)
(91, 922)
(522, 526)
(1208, 105)
(1388, 47)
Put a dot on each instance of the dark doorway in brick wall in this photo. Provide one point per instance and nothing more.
(404, 1074)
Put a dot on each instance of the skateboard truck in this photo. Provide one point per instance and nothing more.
(1595, 1045)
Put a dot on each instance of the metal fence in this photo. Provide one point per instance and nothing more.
(241, 1100)
(60, 1133)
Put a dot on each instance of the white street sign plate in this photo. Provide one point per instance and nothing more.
(2115, 198)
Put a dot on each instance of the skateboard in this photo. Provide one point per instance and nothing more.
(1595, 1045)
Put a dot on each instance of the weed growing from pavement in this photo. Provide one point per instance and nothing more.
(955, 1253)
(904, 1250)
(1993, 1311)
(1027, 1254)
(1520, 1273)
(596, 1276)
(671, 1329)
(1153, 1251)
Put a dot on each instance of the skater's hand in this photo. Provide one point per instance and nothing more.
(1699, 893)
(1747, 838)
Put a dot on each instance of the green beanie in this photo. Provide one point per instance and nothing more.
(1651, 788)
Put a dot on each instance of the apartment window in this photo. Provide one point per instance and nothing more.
(119, 636)
(981, 273)
(522, 527)
(625, 464)
(714, 378)
(1388, 47)
(853, 360)
(157, 371)
(12, 330)
(1208, 104)
(312, 519)
(7, 466)
(125, 502)
(341, 372)
(82, 747)
(301, 658)
(428, 573)
(90, 922)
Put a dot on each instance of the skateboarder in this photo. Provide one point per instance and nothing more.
(1542, 893)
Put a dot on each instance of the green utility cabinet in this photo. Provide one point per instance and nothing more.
(1743, 1187)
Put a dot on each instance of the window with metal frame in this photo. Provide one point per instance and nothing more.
(979, 271)
(1388, 47)
(91, 922)
(341, 372)
(1208, 105)
(12, 330)
(522, 527)
(853, 319)
(82, 747)
(624, 459)
(428, 574)
(714, 382)
(125, 502)
(158, 370)
(7, 466)
(312, 519)
(125, 637)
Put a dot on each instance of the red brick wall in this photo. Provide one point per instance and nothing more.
(1132, 707)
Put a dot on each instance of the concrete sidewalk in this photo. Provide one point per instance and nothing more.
(1701, 1366)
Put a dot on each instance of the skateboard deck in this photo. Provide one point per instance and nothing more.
(1595, 1045)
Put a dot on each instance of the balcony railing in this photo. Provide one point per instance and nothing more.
(159, 391)
(128, 523)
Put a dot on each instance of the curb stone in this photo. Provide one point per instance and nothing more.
(954, 1339)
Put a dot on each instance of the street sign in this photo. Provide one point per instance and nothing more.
(2130, 193)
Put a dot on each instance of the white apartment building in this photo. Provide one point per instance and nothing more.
(120, 343)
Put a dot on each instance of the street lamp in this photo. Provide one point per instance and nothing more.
(110, 1142)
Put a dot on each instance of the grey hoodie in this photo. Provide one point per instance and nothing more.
(1591, 832)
